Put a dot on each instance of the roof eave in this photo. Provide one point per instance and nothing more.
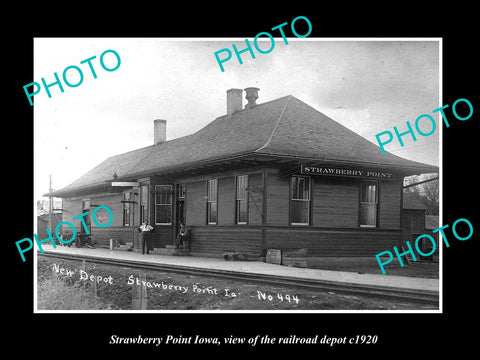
(67, 192)
(193, 164)
(415, 169)
(406, 170)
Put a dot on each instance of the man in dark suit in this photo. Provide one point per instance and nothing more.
(183, 237)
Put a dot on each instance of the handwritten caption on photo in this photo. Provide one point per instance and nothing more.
(172, 287)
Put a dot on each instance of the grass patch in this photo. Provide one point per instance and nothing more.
(57, 295)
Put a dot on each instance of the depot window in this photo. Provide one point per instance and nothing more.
(241, 199)
(300, 200)
(212, 201)
(163, 204)
(368, 203)
(180, 188)
(127, 208)
(144, 194)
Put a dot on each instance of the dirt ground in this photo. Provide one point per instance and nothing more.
(169, 291)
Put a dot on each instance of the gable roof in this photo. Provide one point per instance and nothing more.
(285, 127)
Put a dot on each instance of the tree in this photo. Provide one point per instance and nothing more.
(428, 190)
(431, 191)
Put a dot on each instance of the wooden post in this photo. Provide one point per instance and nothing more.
(407, 260)
(94, 293)
(94, 288)
(54, 277)
(84, 269)
(139, 293)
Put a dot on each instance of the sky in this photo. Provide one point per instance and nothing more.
(368, 86)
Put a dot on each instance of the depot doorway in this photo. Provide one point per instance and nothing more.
(179, 206)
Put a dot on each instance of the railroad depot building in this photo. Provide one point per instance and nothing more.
(276, 175)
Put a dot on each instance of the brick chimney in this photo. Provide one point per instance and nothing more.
(234, 100)
(159, 131)
(251, 96)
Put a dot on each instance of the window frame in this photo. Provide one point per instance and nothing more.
(210, 202)
(144, 213)
(127, 208)
(308, 201)
(84, 204)
(170, 192)
(180, 191)
(238, 201)
(364, 203)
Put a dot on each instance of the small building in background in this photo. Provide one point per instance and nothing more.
(43, 217)
(415, 222)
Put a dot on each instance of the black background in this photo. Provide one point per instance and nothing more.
(405, 334)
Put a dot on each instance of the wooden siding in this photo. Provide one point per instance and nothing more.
(335, 202)
(162, 236)
(214, 240)
(72, 208)
(390, 204)
(413, 225)
(333, 232)
(115, 205)
(102, 236)
(42, 225)
(413, 222)
(346, 242)
(195, 202)
(210, 240)
(278, 199)
(226, 201)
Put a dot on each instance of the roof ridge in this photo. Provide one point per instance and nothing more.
(276, 125)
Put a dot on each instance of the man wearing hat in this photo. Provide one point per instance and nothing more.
(145, 231)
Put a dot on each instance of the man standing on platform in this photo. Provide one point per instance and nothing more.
(145, 231)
